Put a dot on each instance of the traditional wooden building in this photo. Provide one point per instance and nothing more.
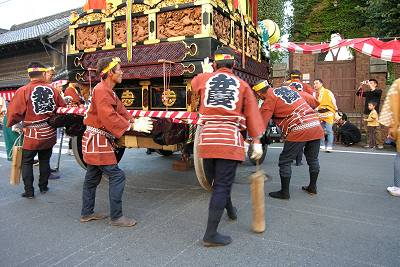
(43, 40)
(344, 76)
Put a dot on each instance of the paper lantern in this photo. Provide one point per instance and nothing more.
(272, 28)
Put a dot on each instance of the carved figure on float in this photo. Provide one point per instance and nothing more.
(342, 53)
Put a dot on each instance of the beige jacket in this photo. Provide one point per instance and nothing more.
(390, 115)
(395, 108)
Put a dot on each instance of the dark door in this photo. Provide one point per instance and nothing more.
(340, 78)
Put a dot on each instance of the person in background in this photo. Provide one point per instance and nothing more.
(372, 95)
(77, 100)
(372, 124)
(296, 81)
(58, 85)
(390, 117)
(348, 133)
(49, 76)
(326, 110)
(33, 104)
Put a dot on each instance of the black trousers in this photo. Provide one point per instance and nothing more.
(347, 139)
(116, 187)
(223, 172)
(290, 152)
(299, 156)
(27, 168)
(372, 136)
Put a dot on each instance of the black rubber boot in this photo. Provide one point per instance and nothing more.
(28, 195)
(44, 190)
(231, 210)
(284, 192)
(312, 187)
(212, 238)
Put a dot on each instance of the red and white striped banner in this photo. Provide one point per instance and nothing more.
(175, 116)
(388, 51)
(7, 94)
(74, 110)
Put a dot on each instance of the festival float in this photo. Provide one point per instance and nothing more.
(161, 45)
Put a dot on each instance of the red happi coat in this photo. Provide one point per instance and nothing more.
(34, 104)
(107, 113)
(301, 86)
(292, 111)
(227, 106)
(76, 98)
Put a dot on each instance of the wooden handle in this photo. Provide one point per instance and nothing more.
(16, 165)
(258, 201)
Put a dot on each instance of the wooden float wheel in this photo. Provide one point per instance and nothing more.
(77, 149)
(205, 182)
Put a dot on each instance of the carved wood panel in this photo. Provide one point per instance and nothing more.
(222, 26)
(90, 37)
(140, 30)
(253, 46)
(237, 38)
(185, 22)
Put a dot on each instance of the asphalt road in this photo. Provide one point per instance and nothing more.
(352, 221)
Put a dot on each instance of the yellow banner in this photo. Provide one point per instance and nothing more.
(242, 6)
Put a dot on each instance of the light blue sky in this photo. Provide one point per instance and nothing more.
(20, 11)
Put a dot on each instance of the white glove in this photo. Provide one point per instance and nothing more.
(16, 128)
(207, 66)
(143, 124)
(257, 151)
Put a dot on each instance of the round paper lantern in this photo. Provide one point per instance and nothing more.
(272, 28)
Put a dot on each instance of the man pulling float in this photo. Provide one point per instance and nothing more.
(293, 112)
(33, 105)
(227, 106)
(106, 120)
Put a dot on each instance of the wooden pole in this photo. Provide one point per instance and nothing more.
(129, 30)
(258, 200)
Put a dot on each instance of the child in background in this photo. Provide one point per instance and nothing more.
(372, 124)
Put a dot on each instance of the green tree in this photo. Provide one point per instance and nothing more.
(382, 17)
(315, 20)
(273, 10)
